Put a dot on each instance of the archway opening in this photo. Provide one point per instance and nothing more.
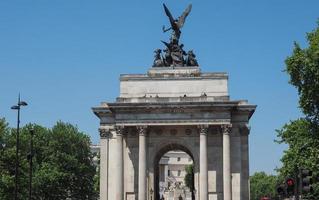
(174, 173)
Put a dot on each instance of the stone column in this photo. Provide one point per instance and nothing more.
(142, 130)
(104, 162)
(119, 164)
(203, 170)
(226, 130)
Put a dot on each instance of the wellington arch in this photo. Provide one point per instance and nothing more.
(174, 106)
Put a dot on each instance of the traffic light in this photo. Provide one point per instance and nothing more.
(281, 190)
(306, 181)
(290, 186)
(287, 188)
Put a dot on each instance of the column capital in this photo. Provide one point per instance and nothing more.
(142, 130)
(120, 130)
(244, 129)
(226, 128)
(104, 132)
(203, 129)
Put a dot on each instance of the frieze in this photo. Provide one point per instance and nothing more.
(177, 110)
(188, 131)
(174, 121)
(173, 132)
(158, 132)
(215, 130)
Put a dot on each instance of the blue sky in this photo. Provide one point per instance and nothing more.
(65, 56)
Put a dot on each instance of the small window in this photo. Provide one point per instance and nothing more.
(179, 172)
(178, 158)
(168, 172)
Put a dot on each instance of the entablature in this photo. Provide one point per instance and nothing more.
(172, 113)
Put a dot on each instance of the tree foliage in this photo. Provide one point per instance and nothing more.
(302, 152)
(189, 177)
(303, 69)
(62, 163)
(302, 135)
(262, 185)
(97, 174)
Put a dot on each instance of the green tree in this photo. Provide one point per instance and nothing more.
(62, 169)
(7, 162)
(97, 175)
(189, 177)
(303, 69)
(302, 149)
(262, 185)
(302, 135)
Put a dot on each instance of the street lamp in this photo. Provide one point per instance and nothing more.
(17, 107)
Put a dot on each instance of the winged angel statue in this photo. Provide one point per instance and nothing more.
(176, 24)
(174, 55)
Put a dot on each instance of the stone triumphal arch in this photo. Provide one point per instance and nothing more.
(174, 106)
(167, 109)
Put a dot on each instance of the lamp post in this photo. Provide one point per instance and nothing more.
(30, 156)
(16, 174)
